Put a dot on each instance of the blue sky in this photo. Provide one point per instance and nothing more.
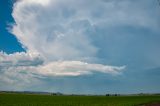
(91, 47)
(8, 43)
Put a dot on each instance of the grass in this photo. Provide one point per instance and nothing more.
(49, 100)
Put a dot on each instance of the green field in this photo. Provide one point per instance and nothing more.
(49, 100)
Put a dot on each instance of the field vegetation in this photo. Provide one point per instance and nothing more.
(14, 99)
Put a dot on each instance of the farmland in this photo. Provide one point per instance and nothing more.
(14, 99)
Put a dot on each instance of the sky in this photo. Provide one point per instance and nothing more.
(80, 47)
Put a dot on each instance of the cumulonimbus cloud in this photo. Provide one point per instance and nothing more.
(70, 38)
(65, 29)
(57, 38)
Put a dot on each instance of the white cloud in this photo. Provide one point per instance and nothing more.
(15, 71)
(19, 59)
(20, 63)
(76, 68)
(22, 70)
(65, 29)
(58, 36)
(42, 2)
